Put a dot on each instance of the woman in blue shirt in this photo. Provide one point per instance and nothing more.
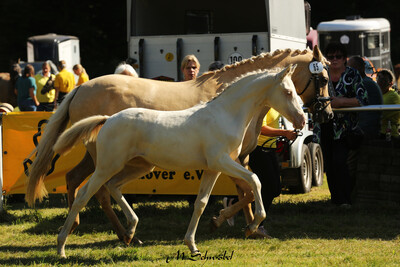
(26, 90)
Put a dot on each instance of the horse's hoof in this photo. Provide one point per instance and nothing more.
(127, 240)
(261, 233)
(195, 253)
(213, 224)
(247, 231)
(137, 241)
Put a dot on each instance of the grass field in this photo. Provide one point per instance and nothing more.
(307, 231)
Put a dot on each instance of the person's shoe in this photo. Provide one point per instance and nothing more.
(231, 220)
(261, 233)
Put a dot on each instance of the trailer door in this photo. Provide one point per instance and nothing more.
(287, 26)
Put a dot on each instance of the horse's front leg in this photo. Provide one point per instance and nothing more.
(234, 169)
(207, 184)
(246, 197)
(83, 196)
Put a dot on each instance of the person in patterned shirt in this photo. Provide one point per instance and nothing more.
(341, 137)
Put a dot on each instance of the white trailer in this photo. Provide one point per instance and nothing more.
(368, 37)
(53, 47)
(161, 33)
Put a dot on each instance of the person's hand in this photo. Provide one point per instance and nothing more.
(37, 103)
(291, 135)
(336, 102)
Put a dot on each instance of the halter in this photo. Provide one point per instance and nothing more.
(319, 103)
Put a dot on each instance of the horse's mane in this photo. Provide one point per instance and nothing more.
(254, 59)
(245, 75)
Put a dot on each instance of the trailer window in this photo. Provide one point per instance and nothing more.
(385, 41)
(44, 51)
(373, 41)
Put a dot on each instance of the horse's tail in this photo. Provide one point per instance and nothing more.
(86, 129)
(41, 164)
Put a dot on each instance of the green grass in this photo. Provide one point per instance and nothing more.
(307, 231)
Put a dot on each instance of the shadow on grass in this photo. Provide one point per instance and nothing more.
(72, 259)
(312, 219)
(164, 223)
(321, 219)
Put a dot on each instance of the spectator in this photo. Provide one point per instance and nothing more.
(26, 90)
(190, 67)
(126, 69)
(369, 121)
(216, 65)
(45, 87)
(385, 80)
(81, 73)
(342, 134)
(64, 83)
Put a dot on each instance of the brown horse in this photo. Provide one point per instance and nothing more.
(110, 94)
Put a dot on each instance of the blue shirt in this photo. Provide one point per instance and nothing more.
(23, 85)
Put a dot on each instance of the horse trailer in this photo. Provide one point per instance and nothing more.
(160, 33)
(366, 37)
(53, 47)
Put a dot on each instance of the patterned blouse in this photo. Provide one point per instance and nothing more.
(350, 85)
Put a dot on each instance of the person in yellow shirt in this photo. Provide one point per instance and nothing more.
(45, 88)
(81, 73)
(64, 83)
(263, 160)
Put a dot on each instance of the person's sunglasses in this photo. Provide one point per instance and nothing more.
(334, 56)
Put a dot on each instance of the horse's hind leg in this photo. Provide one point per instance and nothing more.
(134, 169)
(103, 196)
(74, 178)
(82, 197)
(206, 186)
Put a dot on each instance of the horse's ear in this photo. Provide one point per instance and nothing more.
(292, 69)
(317, 53)
(287, 71)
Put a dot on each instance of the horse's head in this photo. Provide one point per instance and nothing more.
(311, 79)
(285, 100)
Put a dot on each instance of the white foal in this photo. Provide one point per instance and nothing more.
(207, 136)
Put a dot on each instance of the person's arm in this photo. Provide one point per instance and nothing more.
(356, 86)
(272, 132)
(341, 102)
(33, 96)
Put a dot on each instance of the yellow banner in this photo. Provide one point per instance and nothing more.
(21, 130)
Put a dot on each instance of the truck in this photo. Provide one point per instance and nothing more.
(160, 33)
(365, 37)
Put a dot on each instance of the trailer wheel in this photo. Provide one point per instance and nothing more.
(299, 180)
(317, 164)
